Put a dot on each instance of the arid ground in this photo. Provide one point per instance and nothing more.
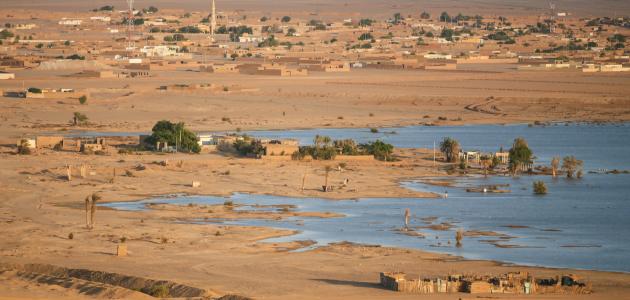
(363, 98)
(42, 214)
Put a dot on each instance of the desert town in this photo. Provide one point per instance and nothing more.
(127, 103)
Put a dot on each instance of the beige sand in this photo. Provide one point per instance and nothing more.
(39, 209)
(364, 98)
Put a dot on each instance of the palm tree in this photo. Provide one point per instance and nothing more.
(555, 162)
(95, 198)
(520, 154)
(450, 147)
(570, 164)
(321, 141)
(486, 162)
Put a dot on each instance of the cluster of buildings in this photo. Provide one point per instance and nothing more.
(509, 283)
(61, 143)
(228, 42)
(476, 156)
(620, 63)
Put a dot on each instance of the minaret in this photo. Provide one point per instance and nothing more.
(213, 22)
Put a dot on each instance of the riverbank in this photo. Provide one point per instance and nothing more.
(359, 99)
(40, 209)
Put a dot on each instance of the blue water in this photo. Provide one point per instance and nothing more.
(580, 224)
(603, 146)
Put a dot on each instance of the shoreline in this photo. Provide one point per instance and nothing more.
(290, 232)
(229, 260)
(81, 132)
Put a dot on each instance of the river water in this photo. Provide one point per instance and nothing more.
(582, 223)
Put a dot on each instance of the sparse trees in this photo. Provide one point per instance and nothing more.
(444, 17)
(366, 22)
(366, 37)
(520, 154)
(79, 119)
(571, 165)
(450, 148)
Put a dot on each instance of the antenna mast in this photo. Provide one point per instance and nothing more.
(130, 27)
(213, 22)
(552, 11)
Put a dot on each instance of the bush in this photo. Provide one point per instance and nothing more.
(374, 130)
(539, 187)
(249, 147)
(366, 37)
(83, 99)
(159, 291)
(23, 148)
(34, 90)
(380, 150)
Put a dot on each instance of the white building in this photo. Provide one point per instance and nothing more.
(160, 51)
(101, 18)
(438, 56)
(25, 26)
(154, 23)
(70, 22)
(247, 38)
(5, 76)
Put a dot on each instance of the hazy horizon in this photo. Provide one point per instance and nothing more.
(363, 7)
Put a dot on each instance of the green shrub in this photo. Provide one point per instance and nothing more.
(539, 187)
(23, 148)
(83, 99)
(174, 134)
(159, 291)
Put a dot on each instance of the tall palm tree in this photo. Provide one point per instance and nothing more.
(450, 147)
(555, 162)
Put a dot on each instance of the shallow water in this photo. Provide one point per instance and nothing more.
(580, 224)
(600, 146)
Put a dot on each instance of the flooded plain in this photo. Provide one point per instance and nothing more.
(581, 223)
